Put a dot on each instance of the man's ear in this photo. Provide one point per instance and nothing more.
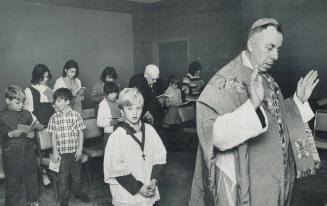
(249, 44)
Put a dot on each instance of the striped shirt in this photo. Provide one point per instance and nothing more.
(66, 126)
(194, 85)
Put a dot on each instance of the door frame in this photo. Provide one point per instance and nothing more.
(155, 48)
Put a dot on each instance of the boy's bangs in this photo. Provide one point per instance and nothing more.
(137, 101)
(13, 92)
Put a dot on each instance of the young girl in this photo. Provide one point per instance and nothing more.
(109, 112)
(134, 156)
(109, 74)
(69, 80)
(172, 102)
(39, 95)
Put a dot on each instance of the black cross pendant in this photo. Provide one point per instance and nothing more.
(143, 155)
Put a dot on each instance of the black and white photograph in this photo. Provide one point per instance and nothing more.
(163, 103)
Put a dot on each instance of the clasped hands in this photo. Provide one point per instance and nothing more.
(149, 190)
(304, 88)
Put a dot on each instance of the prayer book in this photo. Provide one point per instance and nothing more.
(26, 128)
(54, 166)
(48, 93)
(163, 96)
(82, 88)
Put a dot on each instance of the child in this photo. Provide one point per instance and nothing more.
(19, 162)
(109, 112)
(134, 155)
(109, 74)
(66, 127)
(172, 102)
(69, 79)
(37, 100)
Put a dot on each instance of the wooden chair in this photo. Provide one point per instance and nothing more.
(93, 133)
(2, 174)
(188, 123)
(44, 146)
(89, 113)
(93, 140)
(320, 129)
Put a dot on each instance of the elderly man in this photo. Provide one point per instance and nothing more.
(250, 137)
(149, 87)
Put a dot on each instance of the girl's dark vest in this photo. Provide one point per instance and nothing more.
(42, 110)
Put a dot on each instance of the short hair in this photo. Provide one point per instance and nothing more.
(109, 71)
(14, 92)
(152, 70)
(130, 96)
(63, 93)
(194, 67)
(110, 87)
(172, 79)
(258, 29)
(38, 73)
(70, 64)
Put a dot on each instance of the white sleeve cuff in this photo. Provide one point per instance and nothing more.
(233, 129)
(304, 108)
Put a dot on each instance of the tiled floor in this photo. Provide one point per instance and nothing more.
(176, 185)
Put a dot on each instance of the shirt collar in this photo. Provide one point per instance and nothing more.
(246, 60)
(68, 110)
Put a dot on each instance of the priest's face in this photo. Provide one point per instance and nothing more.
(264, 48)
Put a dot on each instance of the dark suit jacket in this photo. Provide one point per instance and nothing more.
(151, 103)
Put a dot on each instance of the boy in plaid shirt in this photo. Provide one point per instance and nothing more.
(66, 127)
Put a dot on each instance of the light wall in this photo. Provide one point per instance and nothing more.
(305, 39)
(33, 33)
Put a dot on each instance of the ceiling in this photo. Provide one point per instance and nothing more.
(145, 1)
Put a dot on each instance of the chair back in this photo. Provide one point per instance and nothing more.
(187, 112)
(320, 129)
(89, 113)
(44, 140)
(2, 173)
(92, 130)
(321, 121)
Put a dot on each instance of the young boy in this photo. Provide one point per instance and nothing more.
(66, 127)
(134, 156)
(19, 161)
(109, 112)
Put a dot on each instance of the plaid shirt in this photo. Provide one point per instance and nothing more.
(67, 126)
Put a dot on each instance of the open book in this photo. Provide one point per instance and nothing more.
(82, 89)
(48, 93)
(27, 128)
(54, 166)
(163, 96)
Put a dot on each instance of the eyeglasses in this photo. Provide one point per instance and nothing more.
(152, 78)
